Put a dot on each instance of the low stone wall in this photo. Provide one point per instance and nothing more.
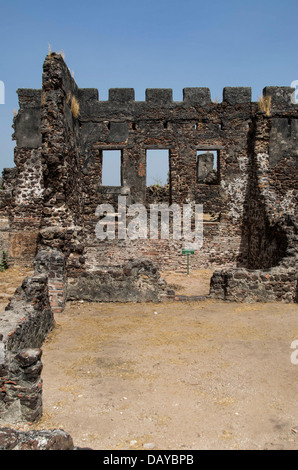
(24, 325)
(244, 285)
(56, 439)
(136, 281)
(52, 264)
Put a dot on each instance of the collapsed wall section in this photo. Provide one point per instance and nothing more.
(136, 281)
(24, 325)
(270, 229)
(21, 195)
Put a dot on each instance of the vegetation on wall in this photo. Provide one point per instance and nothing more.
(3, 262)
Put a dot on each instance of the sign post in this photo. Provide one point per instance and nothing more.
(188, 252)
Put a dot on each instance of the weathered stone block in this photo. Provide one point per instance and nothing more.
(119, 132)
(279, 95)
(237, 95)
(28, 357)
(56, 439)
(24, 325)
(159, 96)
(196, 96)
(121, 95)
(27, 128)
(137, 281)
(88, 94)
(205, 164)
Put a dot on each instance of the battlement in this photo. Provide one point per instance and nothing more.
(200, 96)
(164, 96)
(30, 98)
(155, 118)
(281, 96)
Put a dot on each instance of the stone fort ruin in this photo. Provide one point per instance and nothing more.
(237, 158)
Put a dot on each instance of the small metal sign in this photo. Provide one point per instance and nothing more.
(188, 252)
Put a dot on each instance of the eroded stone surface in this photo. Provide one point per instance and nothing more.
(56, 439)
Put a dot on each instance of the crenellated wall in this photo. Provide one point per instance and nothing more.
(249, 197)
(183, 128)
(159, 123)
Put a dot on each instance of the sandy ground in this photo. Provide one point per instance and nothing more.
(173, 376)
(9, 281)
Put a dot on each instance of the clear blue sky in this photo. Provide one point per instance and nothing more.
(146, 44)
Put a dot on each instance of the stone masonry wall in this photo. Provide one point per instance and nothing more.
(52, 264)
(24, 326)
(249, 199)
(22, 187)
(270, 229)
(184, 128)
(56, 439)
(62, 205)
(137, 281)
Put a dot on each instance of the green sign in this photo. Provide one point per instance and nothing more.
(188, 252)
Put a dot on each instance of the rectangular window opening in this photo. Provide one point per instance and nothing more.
(157, 167)
(111, 167)
(207, 166)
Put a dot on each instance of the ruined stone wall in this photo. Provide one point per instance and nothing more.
(56, 439)
(249, 199)
(62, 203)
(24, 325)
(184, 128)
(22, 187)
(48, 205)
(270, 228)
(40, 199)
(136, 281)
(51, 263)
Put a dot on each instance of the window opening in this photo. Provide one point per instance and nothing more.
(207, 166)
(111, 167)
(157, 167)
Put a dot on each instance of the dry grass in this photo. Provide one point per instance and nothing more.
(62, 54)
(43, 98)
(75, 107)
(264, 104)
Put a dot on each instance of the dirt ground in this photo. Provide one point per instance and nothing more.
(173, 376)
(9, 281)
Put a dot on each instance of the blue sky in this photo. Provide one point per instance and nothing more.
(147, 44)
